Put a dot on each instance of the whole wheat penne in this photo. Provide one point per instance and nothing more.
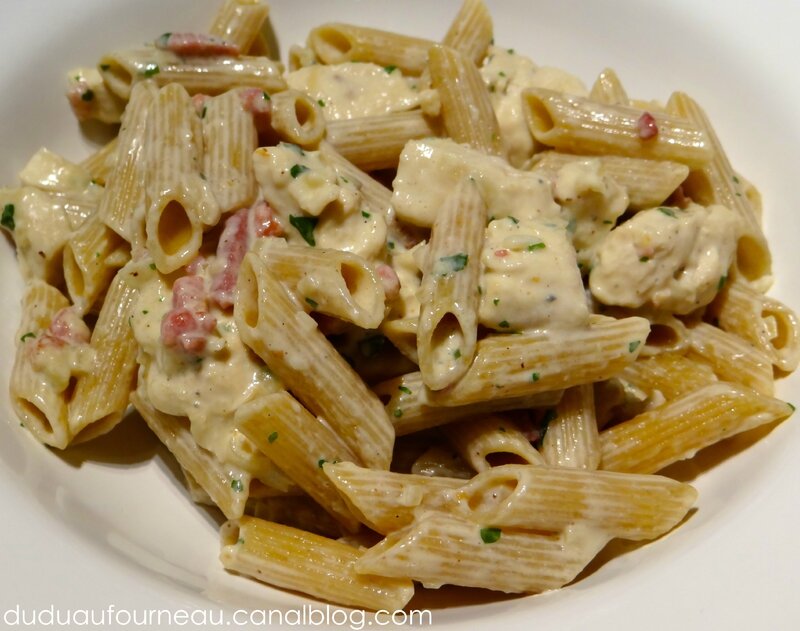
(572, 439)
(753, 258)
(101, 163)
(732, 358)
(648, 182)
(332, 282)
(576, 124)
(335, 43)
(288, 340)
(489, 441)
(467, 112)
(670, 374)
(767, 323)
(515, 365)
(376, 142)
(297, 118)
(297, 511)
(299, 445)
(440, 549)
(608, 89)
(471, 31)
(121, 70)
(226, 485)
(240, 22)
(447, 332)
(680, 428)
(90, 97)
(301, 561)
(375, 197)
(229, 140)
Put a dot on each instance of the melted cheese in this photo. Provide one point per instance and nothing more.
(530, 277)
(507, 74)
(352, 90)
(666, 258)
(430, 169)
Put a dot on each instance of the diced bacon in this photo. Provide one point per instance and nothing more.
(199, 102)
(68, 327)
(240, 230)
(188, 324)
(389, 280)
(81, 100)
(501, 253)
(258, 103)
(647, 126)
(197, 45)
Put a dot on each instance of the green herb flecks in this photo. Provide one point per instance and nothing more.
(152, 266)
(634, 345)
(297, 170)
(7, 218)
(88, 95)
(457, 354)
(305, 226)
(496, 301)
(370, 347)
(451, 264)
(29, 334)
(162, 41)
(504, 324)
(535, 376)
(722, 280)
(669, 212)
(365, 214)
(105, 67)
(150, 70)
(490, 535)
(537, 246)
(644, 259)
(237, 485)
(390, 68)
(398, 413)
(314, 304)
(266, 96)
(321, 103)
(272, 437)
(404, 389)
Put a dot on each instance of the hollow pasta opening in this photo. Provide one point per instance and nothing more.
(541, 120)
(332, 45)
(174, 228)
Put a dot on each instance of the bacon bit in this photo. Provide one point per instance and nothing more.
(502, 252)
(259, 105)
(389, 280)
(240, 230)
(679, 199)
(647, 126)
(187, 325)
(66, 328)
(197, 45)
(81, 106)
(199, 101)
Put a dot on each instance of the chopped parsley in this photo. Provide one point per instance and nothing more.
(501, 74)
(152, 266)
(237, 485)
(371, 346)
(510, 51)
(390, 245)
(365, 214)
(27, 335)
(321, 462)
(633, 345)
(87, 96)
(513, 219)
(607, 221)
(293, 147)
(537, 246)
(504, 324)
(535, 376)
(266, 96)
(490, 535)
(297, 170)
(390, 68)
(240, 540)
(496, 301)
(722, 280)
(404, 389)
(457, 353)
(272, 437)
(735, 179)
(451, 264)
(314, 304)
(398, 413)
(105, 67)
(145, 312)
(644, 259)
(161, 42)
(668, 212)
(321, 102)
(305, 226)
(7, 218)
(203, 113)
(151, 70)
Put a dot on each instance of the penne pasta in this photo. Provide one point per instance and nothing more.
(571, 439)
(239, 22)
(296, 118)
(491, 441)
(471, 32)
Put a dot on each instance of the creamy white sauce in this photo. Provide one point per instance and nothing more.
(666, 258)
(353, 90)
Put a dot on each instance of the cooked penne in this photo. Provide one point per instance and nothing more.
(608, 89)
(489, 441)
(121, 70)
(578, 125)
(91, 99)
(670, 374)
(100, 398)
(177, 200)
(336, 43)
(471, 31)
(288, 340)
(376, 142)
(229, 140)
(296, 511)
(101, 163)
(226, 485)
(571, 438)
(680, 428)
(240, 22)
(753, 258)
(305, 562)
(299, 445)
(732, 358)
(124, 196)
(447, 332)
(440, 549)
(467, 112)
(648, 182)
(332, 282)
(296, 118)
(765, 322)
(407, 404)
(514, 365)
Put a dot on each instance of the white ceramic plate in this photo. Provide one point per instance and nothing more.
(109, 524)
